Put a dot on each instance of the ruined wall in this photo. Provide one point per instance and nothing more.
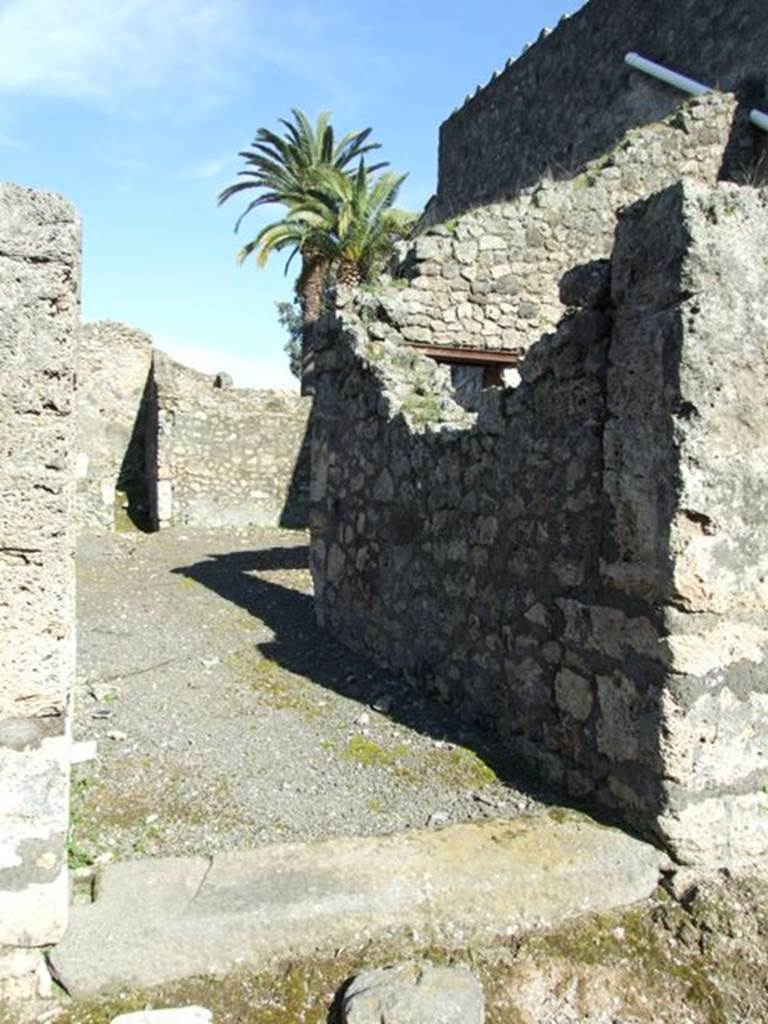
(489, 279)
(113, 363)
(39, 283)
(569, 97)
(163, 444)
(583, 563)
(686, 477)
(224, 456)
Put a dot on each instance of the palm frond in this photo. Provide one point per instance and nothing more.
(337, 210)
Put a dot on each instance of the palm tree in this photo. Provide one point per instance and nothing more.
(307, 230)
(287, 169)
(346, 223)
(365, 221)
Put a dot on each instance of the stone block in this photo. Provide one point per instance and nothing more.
(717, 742)
(412, 993)
(723, 644)
(573, 694)
(430, 247)
(717, 831)
(617, 735)
(23, 977)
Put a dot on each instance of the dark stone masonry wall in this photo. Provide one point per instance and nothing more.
(224, 456)
(582, 564)
(39, 302)
(490, 278)
(568, 98)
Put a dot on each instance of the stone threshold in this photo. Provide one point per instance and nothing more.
(156, 921)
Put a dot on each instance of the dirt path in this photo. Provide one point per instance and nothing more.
(226, 719)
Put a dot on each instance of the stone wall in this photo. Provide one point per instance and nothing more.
(582, 562)
(489, 279)
(686, 478)
(39, 285)
(163, 444)
(113, 363)
(224, 456)
(569, 97)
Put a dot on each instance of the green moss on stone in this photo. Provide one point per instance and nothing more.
(364, 751)
(466, 768)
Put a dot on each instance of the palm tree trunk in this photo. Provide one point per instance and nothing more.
(311, 284)
(349, 274)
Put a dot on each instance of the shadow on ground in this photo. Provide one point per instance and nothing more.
(300, 647)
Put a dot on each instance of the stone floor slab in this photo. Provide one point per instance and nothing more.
(456, 884)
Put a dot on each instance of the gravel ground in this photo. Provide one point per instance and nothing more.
(225, 719)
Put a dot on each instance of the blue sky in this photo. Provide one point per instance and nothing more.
(136, 109)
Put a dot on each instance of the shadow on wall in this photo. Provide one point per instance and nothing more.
(583, 569)
(478, 567)
(133, 483)
(745, 160)
(295, 513)
(147, 477)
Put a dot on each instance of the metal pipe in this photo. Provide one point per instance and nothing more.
(689, 85)
(663, 74)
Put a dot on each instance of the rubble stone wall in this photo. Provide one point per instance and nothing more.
(39, 298)
(112, 370)
(582, 562)
(569, 97)
(489, 279)
(224, 456)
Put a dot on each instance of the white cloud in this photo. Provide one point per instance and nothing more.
(109, 49)
(212, 168)
(10, 142)
(182, 53)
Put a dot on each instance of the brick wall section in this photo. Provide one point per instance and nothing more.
(571, 96)
(582, 564)
(490, 279)
(112, 370)
(226, 456)
(39, 294)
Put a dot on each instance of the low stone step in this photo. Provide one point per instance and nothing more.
(156, 921)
